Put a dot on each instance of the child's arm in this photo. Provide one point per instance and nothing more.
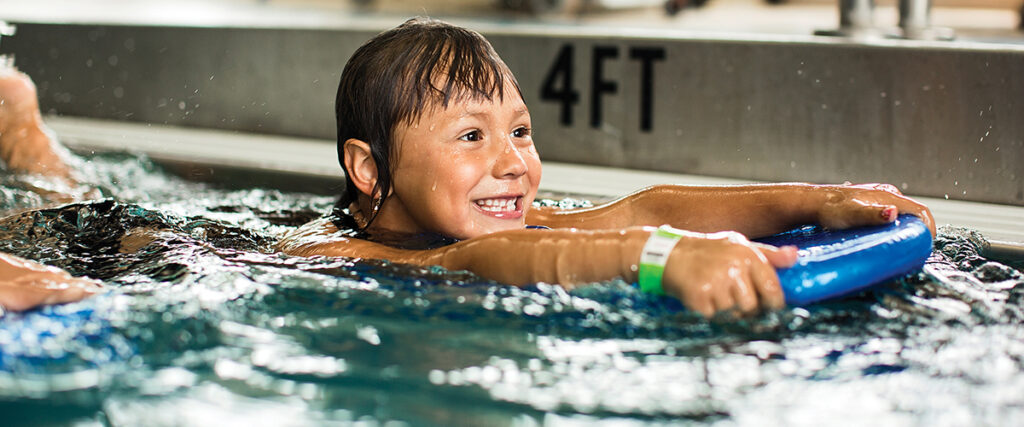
(708, 273)
(753, 210)
(25, 284)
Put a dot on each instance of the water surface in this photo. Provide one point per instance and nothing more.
(203, 324)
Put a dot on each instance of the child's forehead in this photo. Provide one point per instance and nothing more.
(466, 106)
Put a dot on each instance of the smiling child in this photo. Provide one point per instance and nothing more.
(435, 140)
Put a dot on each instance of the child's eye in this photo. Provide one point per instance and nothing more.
(471, 136)
(522, 132)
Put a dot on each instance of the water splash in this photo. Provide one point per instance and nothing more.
(201, 314)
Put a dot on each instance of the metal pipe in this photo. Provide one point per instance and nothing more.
(915, 14)
(856, 19)
(856, 15)
(6, 30)
(916, 21)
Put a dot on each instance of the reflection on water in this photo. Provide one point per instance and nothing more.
(204, 324)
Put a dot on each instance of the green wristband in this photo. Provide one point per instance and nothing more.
(653, 258)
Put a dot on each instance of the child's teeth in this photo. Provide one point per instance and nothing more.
(497, 205)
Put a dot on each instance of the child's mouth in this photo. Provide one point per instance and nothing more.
(501, 207)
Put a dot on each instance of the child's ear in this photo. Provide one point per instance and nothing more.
(361, 167)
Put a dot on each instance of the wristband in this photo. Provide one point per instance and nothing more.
(653, 258)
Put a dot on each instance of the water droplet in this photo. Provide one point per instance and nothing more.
(112, 60)
(181, 105)
(883, 94)
(118, 92)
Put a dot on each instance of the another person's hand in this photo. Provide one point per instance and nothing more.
(26, 284)
(849, 205)
(726, 272)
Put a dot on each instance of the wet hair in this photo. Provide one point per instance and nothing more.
(396, 76)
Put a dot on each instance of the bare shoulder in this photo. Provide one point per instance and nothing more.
(321, 237)
(312, 238)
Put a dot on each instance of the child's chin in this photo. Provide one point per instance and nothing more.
(498, 226)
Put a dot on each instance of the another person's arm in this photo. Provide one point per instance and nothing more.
(709, 273)
(753, 210)
(26, 284)
(28, 147)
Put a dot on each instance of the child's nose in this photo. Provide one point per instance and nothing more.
(510, 162)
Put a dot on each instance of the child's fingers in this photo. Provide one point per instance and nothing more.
(878, 197)
(778, 257)
(745, 296)
(22, 296)
(702, 304)
(71, 294)
(722, 298)
(909, 206)
(857, 213)
(766, 282)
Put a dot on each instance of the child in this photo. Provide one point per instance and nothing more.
(435, 142)
(434, 138)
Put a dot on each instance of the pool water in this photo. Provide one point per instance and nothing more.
(203, 324)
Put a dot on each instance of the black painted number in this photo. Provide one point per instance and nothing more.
(558, 85)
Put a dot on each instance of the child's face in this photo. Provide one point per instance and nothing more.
(464, 171)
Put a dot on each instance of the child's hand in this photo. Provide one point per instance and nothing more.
(725, 271)
(848, 206)
(25, 284)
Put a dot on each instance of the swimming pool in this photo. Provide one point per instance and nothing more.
(203, 324)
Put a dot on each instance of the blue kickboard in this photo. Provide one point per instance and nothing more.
(834, 263)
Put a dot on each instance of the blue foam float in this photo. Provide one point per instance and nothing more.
(834, 263)
(44, 338)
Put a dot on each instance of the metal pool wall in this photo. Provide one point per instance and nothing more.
(935, 118)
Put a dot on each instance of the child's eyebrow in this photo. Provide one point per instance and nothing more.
(475, 113)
